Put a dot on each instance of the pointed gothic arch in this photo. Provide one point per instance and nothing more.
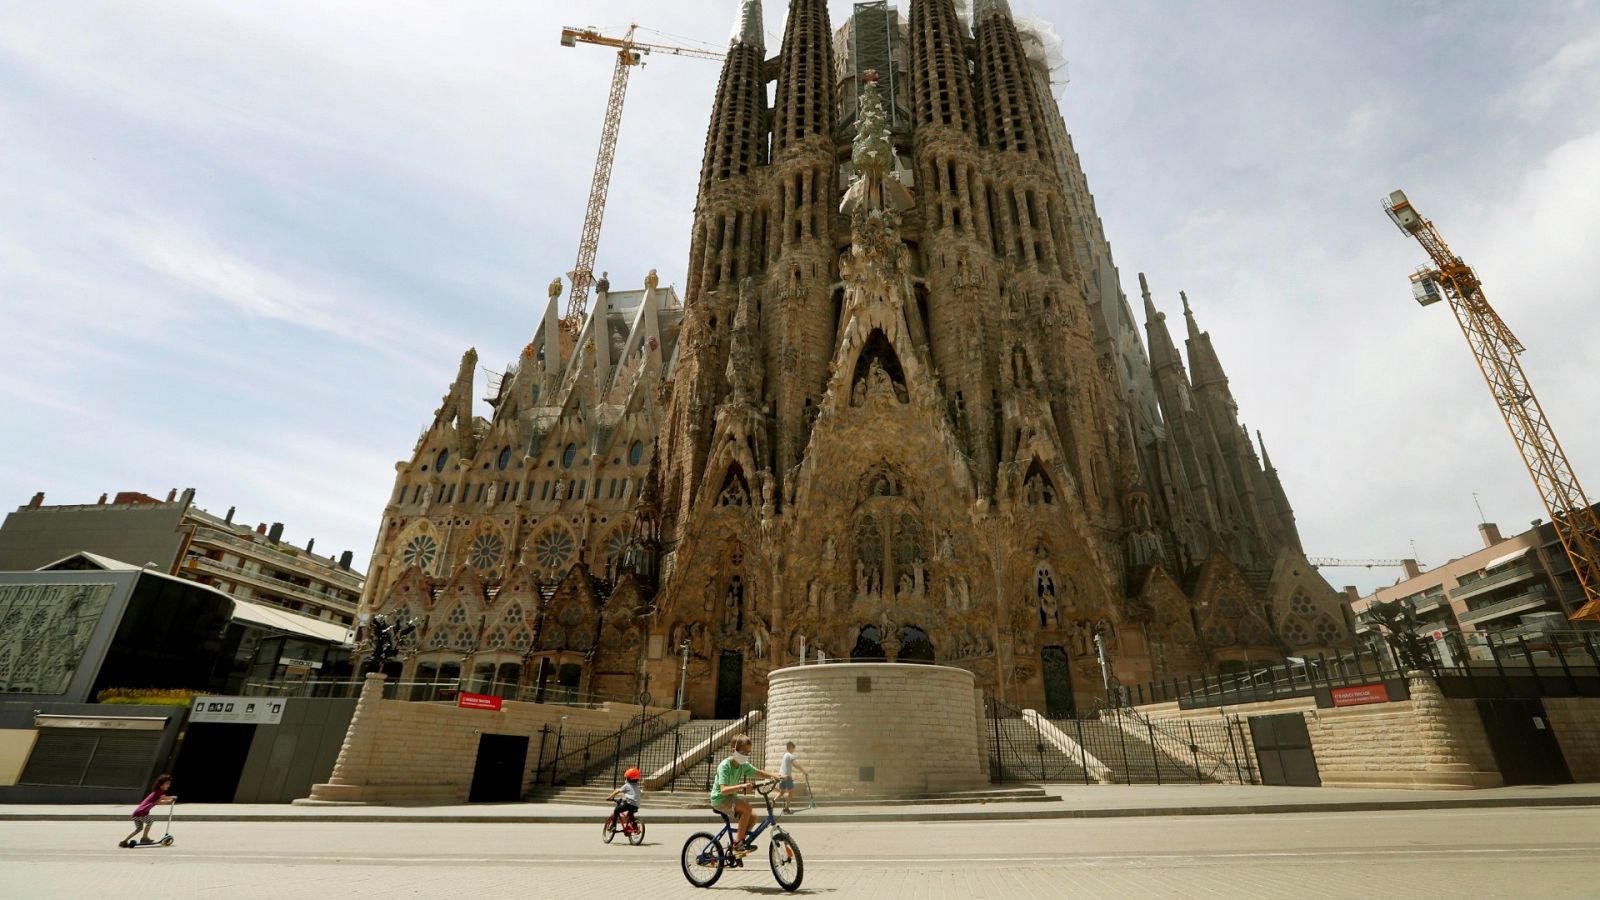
(877, 370)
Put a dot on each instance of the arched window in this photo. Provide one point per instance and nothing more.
(568, 455)
(914, 646)
(440, 460)
(867, 648)
(504, 460)
(636, 453)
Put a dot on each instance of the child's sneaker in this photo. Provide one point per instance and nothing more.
(143, 841)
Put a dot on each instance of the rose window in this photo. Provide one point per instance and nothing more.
(422, 550)
(1328, 631)
(485, 551)
(1303, 605)
(614, 548)
(554, 549)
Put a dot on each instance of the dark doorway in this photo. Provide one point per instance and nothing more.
(1058, 701)
(210, 761)
(497, 777)
(868, 648)
(1524, 744)
(730, 685)
(914, 646)
(1283, 750)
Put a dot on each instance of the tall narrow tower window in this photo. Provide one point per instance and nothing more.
(568, 455)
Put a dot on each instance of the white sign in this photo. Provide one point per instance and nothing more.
(238, 710)
(300, 663)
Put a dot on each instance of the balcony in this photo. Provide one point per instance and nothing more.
(342, 578)
(1521, 603)
(276, 585)
(1499, 579)
(1428, 604)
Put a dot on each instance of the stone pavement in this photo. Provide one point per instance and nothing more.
(1519, 852)
(1067, 802)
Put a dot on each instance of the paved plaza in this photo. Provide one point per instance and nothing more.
(1548, 852)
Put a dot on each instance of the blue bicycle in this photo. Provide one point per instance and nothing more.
(707, 855)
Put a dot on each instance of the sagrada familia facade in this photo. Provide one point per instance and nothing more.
(901, 412)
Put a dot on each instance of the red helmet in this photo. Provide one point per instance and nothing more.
(632, 774)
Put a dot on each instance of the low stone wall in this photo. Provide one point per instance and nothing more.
(401, 752)
(1576, 722)
(879, 729)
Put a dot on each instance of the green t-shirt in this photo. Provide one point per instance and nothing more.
(730, 772)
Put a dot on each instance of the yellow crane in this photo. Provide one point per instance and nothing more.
(1497, 350)
(630, 53)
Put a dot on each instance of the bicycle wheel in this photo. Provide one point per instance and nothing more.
(703, 859)
(609, 830)
(787, 866)
(636, 836)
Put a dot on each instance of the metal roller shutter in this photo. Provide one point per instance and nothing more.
(83, 757)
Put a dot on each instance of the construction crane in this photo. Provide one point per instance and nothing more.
(1333, 562)
(630, 53)
(1497, 350)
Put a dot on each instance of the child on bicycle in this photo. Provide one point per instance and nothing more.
(734, 775)
(786, 771)
(628, 797)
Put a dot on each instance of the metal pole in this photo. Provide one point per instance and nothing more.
(683, 673)
(1155, 753)
(1083, 754)
(1572, 682)
(1533, 668)
(1194, 749)
(673, 785)
(999, 761)
(1122, 741)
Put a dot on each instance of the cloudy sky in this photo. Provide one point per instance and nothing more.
(243, 245)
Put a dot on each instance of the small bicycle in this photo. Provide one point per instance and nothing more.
(630, 827)
(706, 855)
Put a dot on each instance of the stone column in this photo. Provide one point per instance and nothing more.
(1445, 760)
(352, 770)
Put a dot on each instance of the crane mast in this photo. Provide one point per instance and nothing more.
(630, 53)
(1497, 352)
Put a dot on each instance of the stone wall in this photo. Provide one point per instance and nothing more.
(401, 752)
(879, 729)
(1576, 722)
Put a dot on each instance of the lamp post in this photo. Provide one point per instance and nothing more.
(683, 673)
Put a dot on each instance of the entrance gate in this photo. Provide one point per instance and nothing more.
(1524, 744)
(497, 777)
(730, 685)
(1058, 701)
(1283, 750)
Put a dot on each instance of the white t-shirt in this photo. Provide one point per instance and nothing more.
(630, 793)
(786, 768)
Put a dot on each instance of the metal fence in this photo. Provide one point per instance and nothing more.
(1259, 682)
(438, 691)
(1116, 746)
(651, 743)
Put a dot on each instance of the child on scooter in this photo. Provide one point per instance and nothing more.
(141, 814)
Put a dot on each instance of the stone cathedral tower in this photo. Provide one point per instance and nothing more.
(903, 412)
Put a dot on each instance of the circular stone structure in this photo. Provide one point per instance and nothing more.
(878, 729)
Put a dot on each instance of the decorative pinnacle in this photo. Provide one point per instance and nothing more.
(747, 26)
(983, 9)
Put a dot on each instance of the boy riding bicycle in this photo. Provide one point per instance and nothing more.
(734, 775)
(628, 797)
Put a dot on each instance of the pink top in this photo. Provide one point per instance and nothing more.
(148, 803)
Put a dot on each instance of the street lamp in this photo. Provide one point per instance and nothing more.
(683, 672)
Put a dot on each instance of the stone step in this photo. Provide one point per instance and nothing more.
(585, 796)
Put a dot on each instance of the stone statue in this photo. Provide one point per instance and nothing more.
(828, 552)
(760, 636)
(733, 605)
(604, 284)
(555, 287)
(651, 280)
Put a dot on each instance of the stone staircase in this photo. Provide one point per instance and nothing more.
(666, 778)
(1027, 756)
(1128, 756)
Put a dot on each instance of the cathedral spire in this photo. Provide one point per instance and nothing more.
(805, 76)
(1008, 103)
(1203, 363)
(736, 139)
(1163, 352)
(941, 88)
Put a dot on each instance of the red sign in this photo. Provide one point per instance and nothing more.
(1357, 696)
(479, 701)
